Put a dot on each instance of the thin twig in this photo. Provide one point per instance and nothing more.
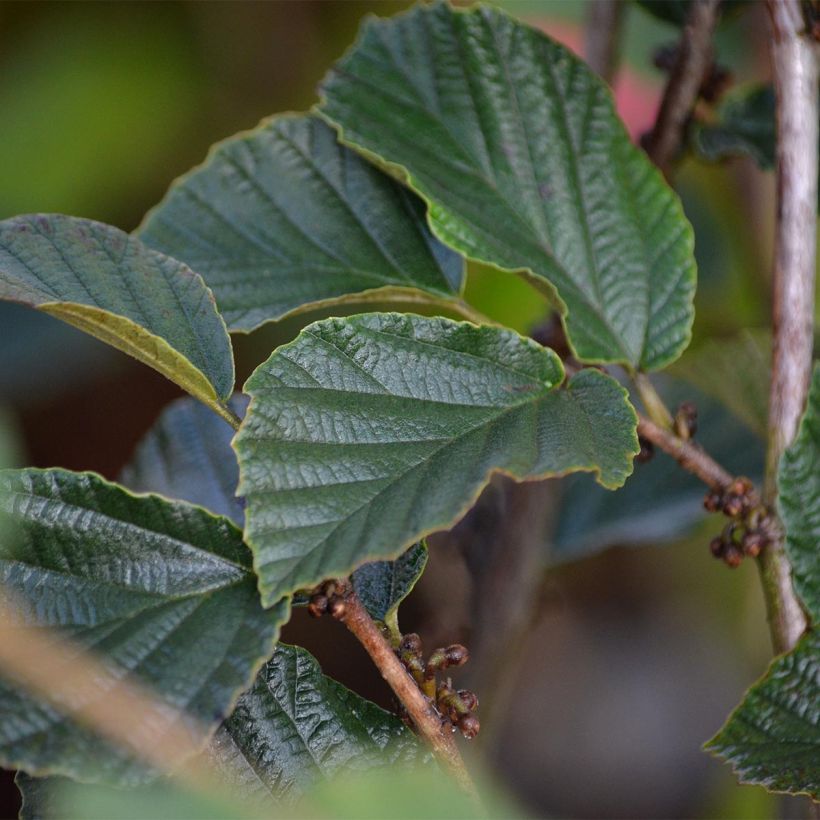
(694, 59)
(602, 34)
(425, 718)
(795, 66)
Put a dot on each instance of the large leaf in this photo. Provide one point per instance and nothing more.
(283, 218)
(110, 285)
(293, 729)
(799, 503)
(296, 727)
(161, 591)
(516, 146)
(366, 433)
(187, 455)
(773, 737)
(659, 502)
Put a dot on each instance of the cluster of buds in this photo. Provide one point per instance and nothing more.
(456, 707)
(751, 527)
(329, 599)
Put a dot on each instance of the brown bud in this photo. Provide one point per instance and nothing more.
(469, 699)
(337, 607)
(752, 542)
(410, 643)
(733, 555)
(317, 606)
(733, 505)
(716, 546)
(686, 420)
(470, 726)
(456, 655)
(713, 501)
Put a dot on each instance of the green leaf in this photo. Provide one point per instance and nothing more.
(383, 585)
(660, 502)
(110, 285)
(713, 368)
(283, 219)
(297, 727)
(799, 503)
(367, 433)
(161, 591)
(187, 455)
(773, 738)
(516, 147)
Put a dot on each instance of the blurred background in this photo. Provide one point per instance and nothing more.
(626, 659)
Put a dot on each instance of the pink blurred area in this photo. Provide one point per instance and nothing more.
(636, 96)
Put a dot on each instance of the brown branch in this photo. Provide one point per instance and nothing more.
(795, 66)
(424, 716)
(693, 62)
(602, 36)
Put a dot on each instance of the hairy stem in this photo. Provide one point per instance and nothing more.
(602, 34)
(654, 405)
(693, 61)
(425, 718)
(795, 67)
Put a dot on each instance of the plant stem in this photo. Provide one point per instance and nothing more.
(693, 61)
(795, 65)
(654, 405)
(425, 718)
(225, 412)
(602, 32)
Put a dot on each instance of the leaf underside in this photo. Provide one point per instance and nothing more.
(516, 147)
(110, 285)
(161, 591)
(367, 433)
(283, 219)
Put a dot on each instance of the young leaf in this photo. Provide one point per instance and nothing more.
(283, 219)
(296, 727)
(366, 433)
(799, 503)
(110, 285)
(161, 591)
(516, 147)
(187, 455)
(383, 585)
(773, 737)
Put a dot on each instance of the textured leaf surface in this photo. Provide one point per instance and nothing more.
(773, 737)
(383, 585)
(187, 455)
(517, 148)
(109, 284)
(366, 433)
(283, 218)
(799, 502)
(161, 591)
(659, 502)
(296, 726)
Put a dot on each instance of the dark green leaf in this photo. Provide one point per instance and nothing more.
(161, 591)
(773, 737)
(284, 219)
(659, 502)
(366, 433)
(516, 147)
(799, 503)
(296, 727)
(110, 285)
(187, 455)
(745, 124)
(383, 585)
